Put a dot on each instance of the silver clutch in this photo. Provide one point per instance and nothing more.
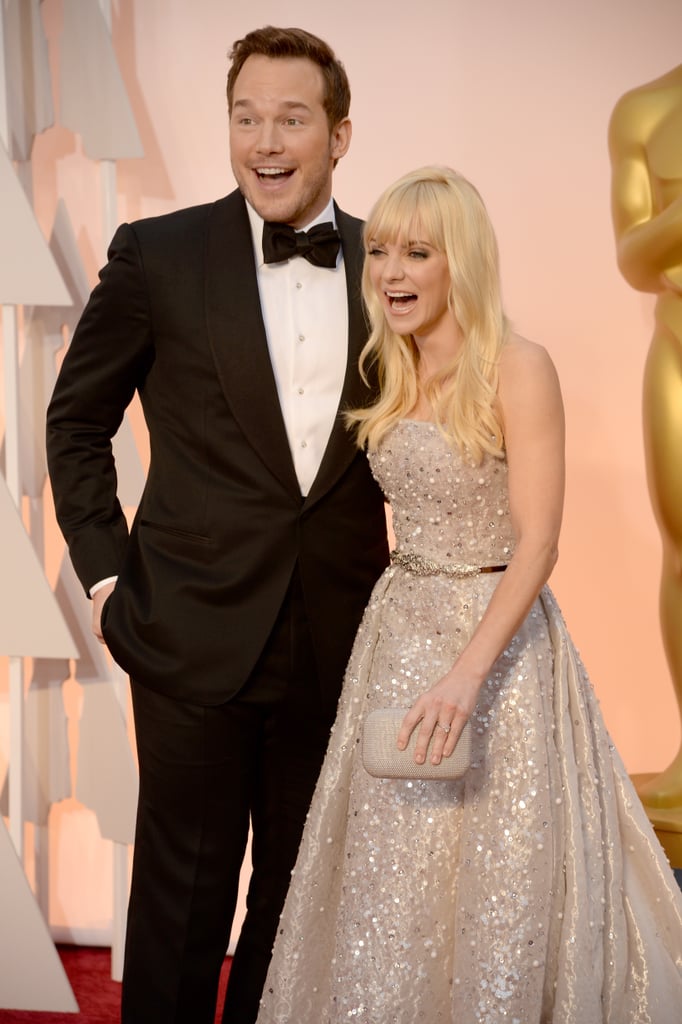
(382, 758)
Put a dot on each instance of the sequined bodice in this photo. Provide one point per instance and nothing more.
(444, 508)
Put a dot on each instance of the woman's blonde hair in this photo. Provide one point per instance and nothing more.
(439, 206)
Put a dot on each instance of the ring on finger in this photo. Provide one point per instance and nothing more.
(446, 728)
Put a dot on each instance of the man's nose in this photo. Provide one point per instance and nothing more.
(269, 138)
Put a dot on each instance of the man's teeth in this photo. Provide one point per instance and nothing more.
(271, 172)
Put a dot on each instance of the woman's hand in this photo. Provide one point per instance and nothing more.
(441, 713)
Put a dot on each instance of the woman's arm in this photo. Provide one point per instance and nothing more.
(533, 422)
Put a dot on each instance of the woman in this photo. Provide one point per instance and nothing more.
(533, 889)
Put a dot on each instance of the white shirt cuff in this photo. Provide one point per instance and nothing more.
(101, 583)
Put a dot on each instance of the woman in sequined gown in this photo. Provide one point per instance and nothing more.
(533, 890)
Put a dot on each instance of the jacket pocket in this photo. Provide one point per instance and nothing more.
(173, 531)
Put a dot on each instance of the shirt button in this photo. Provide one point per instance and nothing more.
(304, 444)
(298, 284)
(301, 391)
(301, 337)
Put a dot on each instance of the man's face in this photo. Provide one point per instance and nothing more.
(281, 148)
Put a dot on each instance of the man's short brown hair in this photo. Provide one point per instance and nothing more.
(295, 42)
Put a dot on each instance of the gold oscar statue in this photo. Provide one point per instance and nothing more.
(645, 146)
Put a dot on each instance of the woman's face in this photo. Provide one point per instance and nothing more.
(412, 282)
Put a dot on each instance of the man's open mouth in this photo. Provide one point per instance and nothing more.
(273, 173)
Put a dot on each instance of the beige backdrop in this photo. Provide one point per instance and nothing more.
(517, 96)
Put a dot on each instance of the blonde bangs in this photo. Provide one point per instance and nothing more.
(416, 206)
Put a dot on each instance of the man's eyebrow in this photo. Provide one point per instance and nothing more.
(285, 104)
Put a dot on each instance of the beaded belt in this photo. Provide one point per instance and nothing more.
(421, 566)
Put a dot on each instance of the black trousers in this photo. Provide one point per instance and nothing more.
(206, 773)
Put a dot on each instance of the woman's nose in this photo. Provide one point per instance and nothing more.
(393, 268)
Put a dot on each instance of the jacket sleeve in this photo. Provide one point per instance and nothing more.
(108, 359)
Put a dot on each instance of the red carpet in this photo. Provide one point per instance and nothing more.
(88, 969)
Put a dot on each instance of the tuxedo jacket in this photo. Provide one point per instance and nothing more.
(221, 523)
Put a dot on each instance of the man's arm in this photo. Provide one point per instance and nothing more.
(109, 356)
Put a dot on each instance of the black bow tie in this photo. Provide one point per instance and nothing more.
(319, 246)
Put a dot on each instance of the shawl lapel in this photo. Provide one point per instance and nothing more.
(341, 449)
(237, 338)
(240, 349)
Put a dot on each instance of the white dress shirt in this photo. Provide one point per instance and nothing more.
(305, 311)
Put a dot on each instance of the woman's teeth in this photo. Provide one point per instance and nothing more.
(399, 299)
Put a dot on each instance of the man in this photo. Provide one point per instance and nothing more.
(235, 599)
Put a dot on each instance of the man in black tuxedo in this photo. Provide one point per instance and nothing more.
(234, 601)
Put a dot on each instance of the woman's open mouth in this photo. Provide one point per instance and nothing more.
(401, 302)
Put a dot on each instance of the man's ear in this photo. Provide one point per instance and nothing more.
(340, 139)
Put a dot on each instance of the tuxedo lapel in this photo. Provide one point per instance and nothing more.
(237, 337)
(340, 449)
(240, 349)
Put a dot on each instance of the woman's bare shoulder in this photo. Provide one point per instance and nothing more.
(519, 355)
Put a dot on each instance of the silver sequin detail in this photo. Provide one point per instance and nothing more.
(422, 566)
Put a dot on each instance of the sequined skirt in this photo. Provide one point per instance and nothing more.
(533, 890)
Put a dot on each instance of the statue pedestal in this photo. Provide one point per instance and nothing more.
(667, 823)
